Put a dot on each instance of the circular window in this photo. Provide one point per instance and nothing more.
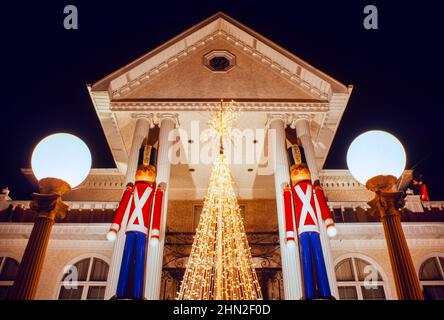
(219, 60)
(219, 63)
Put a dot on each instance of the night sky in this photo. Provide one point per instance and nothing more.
(397, 71)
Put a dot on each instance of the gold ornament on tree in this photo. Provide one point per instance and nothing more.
(220, 266)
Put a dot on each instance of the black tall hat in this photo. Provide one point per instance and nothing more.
(294, 155)
(147, 155)
(153, 157)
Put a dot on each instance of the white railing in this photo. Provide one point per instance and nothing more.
(433, 204)
(347, 204)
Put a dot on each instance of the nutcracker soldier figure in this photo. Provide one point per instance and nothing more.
(420, 188)
(134, 214)
(304, 202)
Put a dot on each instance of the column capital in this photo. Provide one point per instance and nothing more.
(388, 203)
(276, 116)
(49, 206)
(299, 118)
(147, 116)
(160, 117)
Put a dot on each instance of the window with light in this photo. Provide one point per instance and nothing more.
(84, 280)
(431, 276)
(358, 279)
(8, 271)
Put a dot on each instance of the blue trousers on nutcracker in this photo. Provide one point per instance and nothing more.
(131, 277)
(313, 267)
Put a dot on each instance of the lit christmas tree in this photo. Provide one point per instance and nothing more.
(220, 266)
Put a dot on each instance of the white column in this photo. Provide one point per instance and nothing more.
(302, 126)
(143, 123)
(291, 270)
(153, 272)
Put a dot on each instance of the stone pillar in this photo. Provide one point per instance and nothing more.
(143, 123)
(153, 274)
(406, 278)
(291, 270)
(48, 206)
(30, 269)
(302, 126)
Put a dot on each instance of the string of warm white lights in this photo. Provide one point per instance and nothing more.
(220, 266)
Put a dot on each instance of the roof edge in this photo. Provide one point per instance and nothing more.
(102, 84)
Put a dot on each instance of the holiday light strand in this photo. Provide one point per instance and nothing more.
(220, 266)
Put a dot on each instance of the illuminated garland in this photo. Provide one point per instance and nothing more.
(220, 266)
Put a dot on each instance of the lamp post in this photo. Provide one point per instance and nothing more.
(60, 162)
(377, 159)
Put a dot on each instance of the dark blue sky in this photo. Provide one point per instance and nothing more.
(397, 71)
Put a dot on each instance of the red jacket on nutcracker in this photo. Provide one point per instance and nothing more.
(305, 209)
(308, 200)
(138, 218)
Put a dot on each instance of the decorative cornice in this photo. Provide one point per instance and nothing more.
(245, 106)
(342, 179)
(97, 179)
(72, 205)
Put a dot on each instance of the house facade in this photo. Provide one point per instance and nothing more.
(165, 98)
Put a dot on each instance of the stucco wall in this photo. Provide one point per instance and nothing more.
(380, 256)
(55, 261)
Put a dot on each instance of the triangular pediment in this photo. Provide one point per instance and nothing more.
(248, 78)
(176, 70)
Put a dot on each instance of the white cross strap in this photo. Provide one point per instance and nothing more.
(139, 202)
(306, 205)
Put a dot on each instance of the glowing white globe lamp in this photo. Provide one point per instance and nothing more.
(377, 159)
(376, 154)
(60, 162)
(61, 156)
